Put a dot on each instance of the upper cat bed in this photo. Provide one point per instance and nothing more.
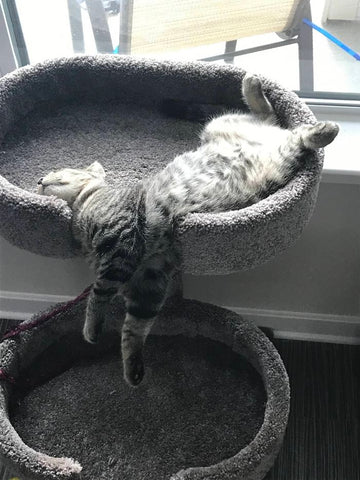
(213, 404)
(70, 112)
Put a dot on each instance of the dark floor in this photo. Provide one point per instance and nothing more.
(323, 435)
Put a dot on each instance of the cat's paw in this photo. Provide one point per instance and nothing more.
(91, 333)
(251, 82)
(134, 369)
(255, 98)
(252, 87)
(320, 134)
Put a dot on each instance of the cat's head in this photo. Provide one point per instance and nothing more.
(68, 183)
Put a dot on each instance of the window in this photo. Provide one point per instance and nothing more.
(40, 29)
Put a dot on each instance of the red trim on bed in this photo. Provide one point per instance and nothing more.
(45, 317)
(6, 377)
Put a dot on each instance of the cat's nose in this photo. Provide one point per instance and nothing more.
(40, 181)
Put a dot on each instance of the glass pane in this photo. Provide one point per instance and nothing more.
(55, 28)
(183, 30)
(336, 70)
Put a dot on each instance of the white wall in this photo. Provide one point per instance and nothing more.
(319, 274)
(25, 272)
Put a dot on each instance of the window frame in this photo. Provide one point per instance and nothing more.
(8, 61)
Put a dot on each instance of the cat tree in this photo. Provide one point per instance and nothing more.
(70, 112)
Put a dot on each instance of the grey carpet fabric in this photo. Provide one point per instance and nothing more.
(203, 411)
(190, 411)
(70, 112)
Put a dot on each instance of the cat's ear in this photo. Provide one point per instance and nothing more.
(97, 169)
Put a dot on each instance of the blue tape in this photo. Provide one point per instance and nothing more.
(331, 37)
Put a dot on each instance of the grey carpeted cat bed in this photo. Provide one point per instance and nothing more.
(73, 111)
(213, 404)
(202, 410)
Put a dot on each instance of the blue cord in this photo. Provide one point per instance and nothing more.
(335, 40)
(327, 34)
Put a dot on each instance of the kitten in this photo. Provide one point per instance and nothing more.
(127, 234)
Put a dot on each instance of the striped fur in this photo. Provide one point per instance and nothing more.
(127, 234)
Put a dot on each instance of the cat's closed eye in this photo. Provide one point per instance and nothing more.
(54, 183)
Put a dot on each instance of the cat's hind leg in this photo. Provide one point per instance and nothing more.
(144, 298)
(255, 98)
(133, 336)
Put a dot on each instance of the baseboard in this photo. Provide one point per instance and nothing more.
(22, 305)
(315, 327)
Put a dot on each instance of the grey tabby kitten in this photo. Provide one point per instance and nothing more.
(127, 235)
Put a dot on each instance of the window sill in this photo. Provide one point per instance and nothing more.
(342, 161)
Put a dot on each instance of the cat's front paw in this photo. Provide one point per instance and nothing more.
(134, 369)
(320, 134)
(251, 81)
(90, 333)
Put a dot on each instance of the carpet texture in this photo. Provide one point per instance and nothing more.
(70, 112)
(322, 440)
(213, 405)
(198, 405)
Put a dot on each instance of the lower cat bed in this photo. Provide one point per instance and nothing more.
(70, 112)
(213, 404)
